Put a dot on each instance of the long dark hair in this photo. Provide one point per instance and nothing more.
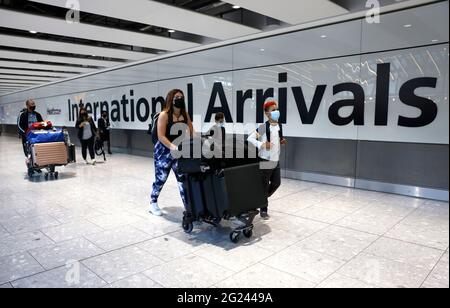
(85, 110)
(169, 105)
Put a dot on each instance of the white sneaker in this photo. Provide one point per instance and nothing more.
(87, 163)
(155, 210)
(94, 162)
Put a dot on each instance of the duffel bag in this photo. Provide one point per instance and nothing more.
(45, 136)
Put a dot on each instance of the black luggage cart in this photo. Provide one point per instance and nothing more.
(219, 189)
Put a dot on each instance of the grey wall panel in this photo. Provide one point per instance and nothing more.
(422, 165)
(326, 156)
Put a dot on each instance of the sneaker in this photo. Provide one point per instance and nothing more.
(265, 215)
(94, 162)
(87, 163)
(155, 210)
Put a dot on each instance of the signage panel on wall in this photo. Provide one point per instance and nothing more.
(397, 96)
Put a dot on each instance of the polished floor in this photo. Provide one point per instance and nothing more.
(91, 228)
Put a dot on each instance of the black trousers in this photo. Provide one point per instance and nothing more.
(106, 137)
(271, 181)
(88, 145)
(24, 145)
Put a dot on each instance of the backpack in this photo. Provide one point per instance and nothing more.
(265, 128)
(153, 127)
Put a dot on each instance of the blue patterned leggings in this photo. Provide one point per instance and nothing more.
(163, 163)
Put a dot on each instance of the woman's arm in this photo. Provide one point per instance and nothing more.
(191, 127)
(162, 127)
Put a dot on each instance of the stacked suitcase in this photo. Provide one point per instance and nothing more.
(219, 189)
(48, 149)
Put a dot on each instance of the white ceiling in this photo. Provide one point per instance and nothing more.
(31, 78)
(50, 25)
(115, 32)
(16, 55)
(48, 45)
(49, 67)
(30, 73)
(292, 11)
(162, 15)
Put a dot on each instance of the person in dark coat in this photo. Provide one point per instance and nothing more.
(104, 127)
(87, 132)
(27, 118)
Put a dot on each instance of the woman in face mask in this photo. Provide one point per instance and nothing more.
(87, 131)
(173, 123)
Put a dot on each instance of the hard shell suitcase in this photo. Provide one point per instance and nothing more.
(45, 154)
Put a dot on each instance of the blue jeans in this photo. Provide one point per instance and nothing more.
(164, 162)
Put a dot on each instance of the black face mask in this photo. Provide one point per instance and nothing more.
(33, 108)
(179, 103)
(83, 115)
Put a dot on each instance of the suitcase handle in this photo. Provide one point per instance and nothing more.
(205, 169)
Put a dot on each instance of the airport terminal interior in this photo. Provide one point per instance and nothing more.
(340, 108)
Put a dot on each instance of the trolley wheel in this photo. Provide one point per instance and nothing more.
(248, 233)
(234, 237)
(188, 227)
(56, 175)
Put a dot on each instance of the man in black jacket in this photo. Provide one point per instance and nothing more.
(26, 119)
(104, 127)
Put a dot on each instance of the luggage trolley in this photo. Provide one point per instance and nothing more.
(48, 149)
(223, 189)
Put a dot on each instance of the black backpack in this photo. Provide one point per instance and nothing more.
(153, 128)
(265, 128)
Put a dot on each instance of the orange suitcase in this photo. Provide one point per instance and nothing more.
(45, 154)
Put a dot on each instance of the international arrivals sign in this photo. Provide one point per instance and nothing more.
(381, 108)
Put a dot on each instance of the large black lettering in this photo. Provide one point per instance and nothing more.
(115, 111)
(124, 103)
(132, 105)
(308, 116)
(282, 97)
(224, 107)
(104, 106)
(143, 103)
(88, 108)
(96, 108)
(241, 98)
(357, 116)
(158, 101)
(382, 94)
(190, 99)
(428, 108)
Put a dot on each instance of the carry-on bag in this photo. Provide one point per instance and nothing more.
(45, 136)
(45, 154)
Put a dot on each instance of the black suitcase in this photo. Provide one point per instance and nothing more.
(193, 186)
(239, 190)
(71, 153)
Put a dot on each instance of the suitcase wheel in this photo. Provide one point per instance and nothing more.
(235, 236)
(188, 227)
(248, 233)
